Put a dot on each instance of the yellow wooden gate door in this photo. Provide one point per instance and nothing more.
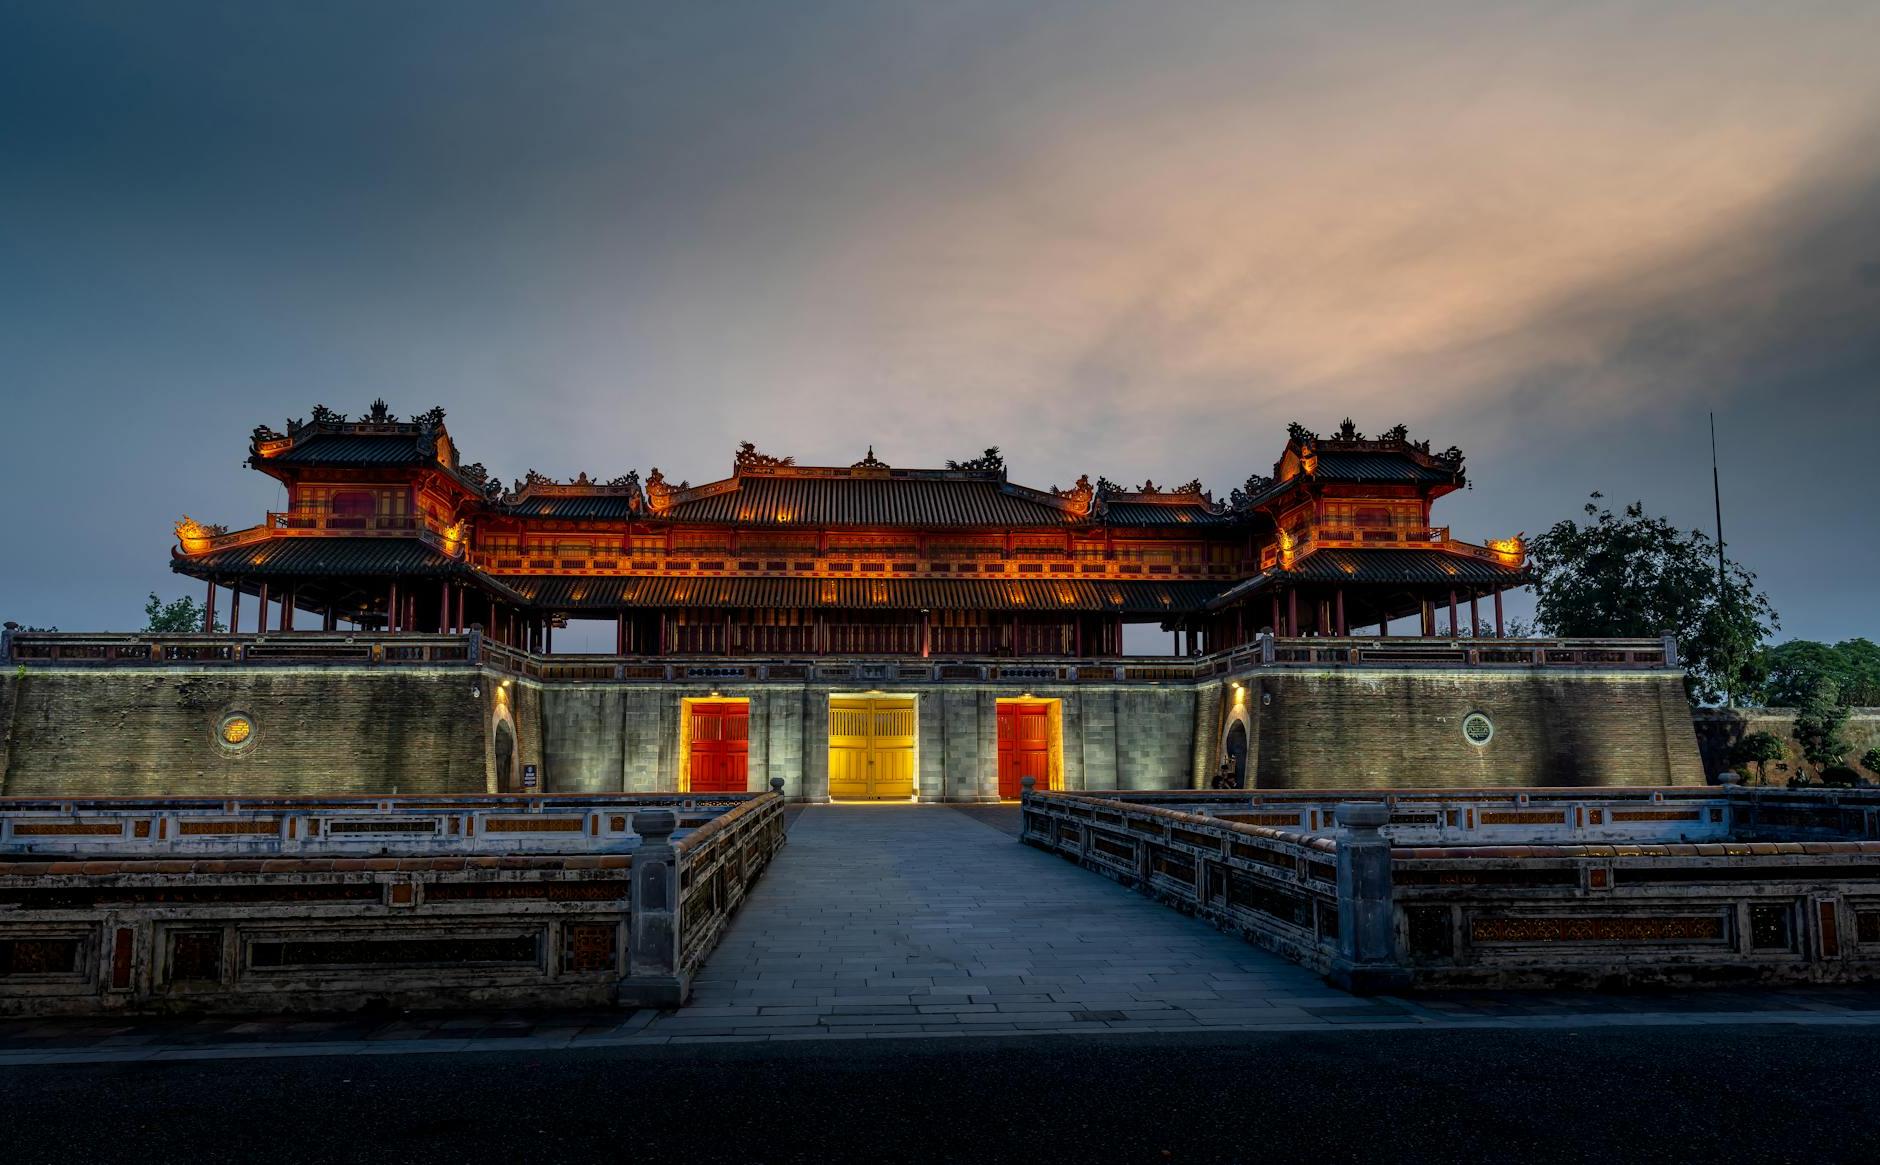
(871, 748)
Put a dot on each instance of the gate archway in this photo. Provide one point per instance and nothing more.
(505, 748)
(1235, 752)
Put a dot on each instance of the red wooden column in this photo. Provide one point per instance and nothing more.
(1454, 630)
(1429, 619)
(261, 610)
(391, 609)
(1498, 631)
(287, 610)
(208, 609)
(1475, 615)
(1342, 629)
(1292, 614)
(926, 634)
(443, 606)
(620, 633)
(1278, 627)
(235, 608)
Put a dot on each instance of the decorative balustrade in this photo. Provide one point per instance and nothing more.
(276, 904)
(682, 563)
(410, 826)
(1507, 887)
(370, 648)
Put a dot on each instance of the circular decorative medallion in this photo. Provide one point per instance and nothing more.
(1477, 728)
(236, 731)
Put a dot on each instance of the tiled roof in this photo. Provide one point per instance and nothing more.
(1414, 567)
(857, 593)
(602, 507)
(309, 557)
(357, 449)
(1392, 467)
(1164, 514)
(856, 501)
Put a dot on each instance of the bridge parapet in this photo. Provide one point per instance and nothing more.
(343, 826)
(1519, 889)
(258, 910)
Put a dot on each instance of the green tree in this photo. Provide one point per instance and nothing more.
(1870, 760)
(1795, 667)
(1819, 717)
(1758, 748)
(1630, 574)
(182, 615)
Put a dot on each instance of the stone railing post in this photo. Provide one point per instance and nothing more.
(776, 785)
(1670, 644)
(654, 977)
(474, 649)
(1026, 784)
(1367, 960)
(1266, 647)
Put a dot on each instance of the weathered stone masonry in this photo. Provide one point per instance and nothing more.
(86, 730)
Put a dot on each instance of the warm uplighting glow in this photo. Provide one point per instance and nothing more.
(193, 535)
(454, 535)
(1286, 544)
(1512, 551)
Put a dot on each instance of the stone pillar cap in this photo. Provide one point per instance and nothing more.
(1363, 814)
(655, 823)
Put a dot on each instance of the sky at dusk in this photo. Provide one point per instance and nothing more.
(1123, 239)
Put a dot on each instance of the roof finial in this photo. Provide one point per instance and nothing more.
(870, 461)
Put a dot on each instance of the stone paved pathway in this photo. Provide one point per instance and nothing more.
(906, 919)
(883, 922)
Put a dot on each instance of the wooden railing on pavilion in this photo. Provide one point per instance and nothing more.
(722, 564)
(1395, 537)
(314, 523)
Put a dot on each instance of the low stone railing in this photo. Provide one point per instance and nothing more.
(409, 826)
(288, 918)
(1310, 899)
(474, 649)
(1494, 816)
(1734, 905)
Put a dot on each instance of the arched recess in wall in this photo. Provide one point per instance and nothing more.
(1234, 754)
(504, 747)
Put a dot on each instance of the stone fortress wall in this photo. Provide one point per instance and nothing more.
(92, 728)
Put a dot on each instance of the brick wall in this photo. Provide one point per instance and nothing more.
(80, 731)
(1376, 729)
(74, 732)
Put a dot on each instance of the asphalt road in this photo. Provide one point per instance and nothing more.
(1686, 1093)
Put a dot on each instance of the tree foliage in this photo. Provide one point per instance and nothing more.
(1759, 749)
(1629, 574)
(180, 616)
(1819, 717)
(1870, 760)
(1794, 668)
(990, 459)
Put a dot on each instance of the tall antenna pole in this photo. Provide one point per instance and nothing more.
(1723, 589)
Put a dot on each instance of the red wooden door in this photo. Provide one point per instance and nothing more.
(721, 746)
(1024, 748)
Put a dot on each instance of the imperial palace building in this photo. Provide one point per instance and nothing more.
(863, 631)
